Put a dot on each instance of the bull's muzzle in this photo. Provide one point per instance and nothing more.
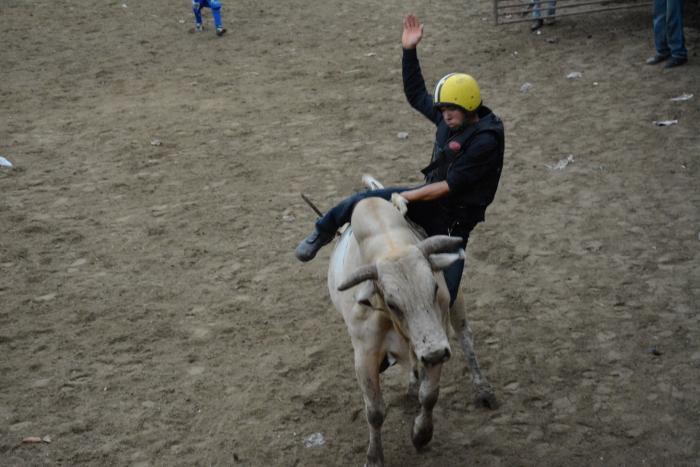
(436, 356)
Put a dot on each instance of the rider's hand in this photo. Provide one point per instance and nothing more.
(400, 203)
(412, 32)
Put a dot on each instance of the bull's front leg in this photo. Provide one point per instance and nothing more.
(413, 377)
(485, 395)
(367, 371)
(422, 431)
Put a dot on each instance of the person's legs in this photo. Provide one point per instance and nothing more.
(536, 9)
(427, 214)
(453, 277)
(552, 8)
(335, 218)
(215, 6)
(536, 15)
(341, 213)
(659, 24)
(674, 29)
(197, 10)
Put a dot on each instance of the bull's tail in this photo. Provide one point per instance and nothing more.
(371, 183)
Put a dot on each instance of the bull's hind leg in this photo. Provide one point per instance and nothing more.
(484, 392)
(422, 431)
(367, 371)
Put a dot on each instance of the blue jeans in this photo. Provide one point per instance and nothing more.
(215, 6)
(668, 28)
(536, 8)
(424, 213)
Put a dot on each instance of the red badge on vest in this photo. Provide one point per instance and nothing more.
(454, 146)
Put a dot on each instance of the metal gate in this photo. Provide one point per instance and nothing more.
(515, 11)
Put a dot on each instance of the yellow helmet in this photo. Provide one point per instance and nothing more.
(457, 89)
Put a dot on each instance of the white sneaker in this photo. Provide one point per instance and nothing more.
(198, 27)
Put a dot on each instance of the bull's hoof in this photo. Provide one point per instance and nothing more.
(421, 437)
(375, 458)
(487, 399)
(375, 463)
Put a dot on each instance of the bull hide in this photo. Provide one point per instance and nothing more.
(387, 283)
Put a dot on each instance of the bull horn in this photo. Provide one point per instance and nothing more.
(362, 274)
(439, 244)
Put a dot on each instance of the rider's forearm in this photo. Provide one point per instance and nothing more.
(427, 192)
(414, 85)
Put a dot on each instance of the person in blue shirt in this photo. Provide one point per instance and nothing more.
(215, 6)
(464, 170)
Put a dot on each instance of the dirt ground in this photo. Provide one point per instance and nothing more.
(151, 309)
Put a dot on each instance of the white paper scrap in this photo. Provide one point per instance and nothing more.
(682, 97)
(665, 122)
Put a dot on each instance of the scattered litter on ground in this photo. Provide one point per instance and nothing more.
(155, 142)
(654, 351)
(402, 135)
(287, 216)
(561, 165)
(31, 439)
(595, 83)
(370, 54)
(682, 97)
(4, 162)
(182, 21)
(665, 122)
(552, 40)
(525, 87)
(314, 440)
(34, 440)
(539, 32)
(574, 75)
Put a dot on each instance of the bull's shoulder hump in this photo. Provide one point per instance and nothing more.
(376, 215)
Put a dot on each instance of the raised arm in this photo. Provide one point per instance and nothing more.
(413, 82)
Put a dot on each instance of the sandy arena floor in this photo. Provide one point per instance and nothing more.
(151, 309)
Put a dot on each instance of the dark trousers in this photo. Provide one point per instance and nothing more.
(427, 214)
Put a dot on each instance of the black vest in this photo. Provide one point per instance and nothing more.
(468, 208)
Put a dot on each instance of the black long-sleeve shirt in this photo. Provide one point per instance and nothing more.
(473, 170)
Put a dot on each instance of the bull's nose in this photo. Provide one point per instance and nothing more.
(436, 357)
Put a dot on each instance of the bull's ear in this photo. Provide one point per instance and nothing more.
(365, 293)
(441, 261)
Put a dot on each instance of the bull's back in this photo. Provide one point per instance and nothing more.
(380, 229)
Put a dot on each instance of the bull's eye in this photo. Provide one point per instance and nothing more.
(394, 309)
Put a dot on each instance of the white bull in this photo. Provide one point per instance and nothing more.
(388, 284)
